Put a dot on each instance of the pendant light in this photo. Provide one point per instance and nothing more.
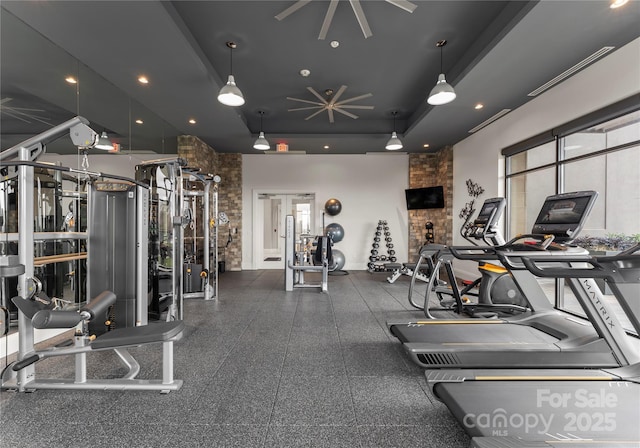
(394, 142)
(104, 142)
(230, 94)
(442, 93)
(261, 143)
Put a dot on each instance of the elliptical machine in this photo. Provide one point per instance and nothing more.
(493, 293)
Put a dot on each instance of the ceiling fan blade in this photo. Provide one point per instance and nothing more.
(403, 4)
(355, 98)
(314, 114)
(305, 101)
(338, 94)
(291, 9)
(330, 111)
(354, 106)
(312, 90)
(305, 108)
(327, 19)
(362, 20)
(344, 112)
(10, 113)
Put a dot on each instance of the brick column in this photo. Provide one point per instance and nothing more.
(229, 167)
(431, 170)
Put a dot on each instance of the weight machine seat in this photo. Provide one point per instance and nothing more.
(123, 337)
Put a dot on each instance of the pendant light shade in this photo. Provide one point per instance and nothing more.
(104, 142)
(261, 143)
(230, 94)
(443, 92)
(394, 142)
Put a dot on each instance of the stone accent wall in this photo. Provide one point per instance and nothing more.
(431, 170)
(229, 167)
(197, 153)
(230, 202)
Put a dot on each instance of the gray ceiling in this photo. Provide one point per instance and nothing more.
(497, 53)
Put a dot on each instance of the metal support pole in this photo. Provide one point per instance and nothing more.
(216, 278)
(142, 255)
(289, 253)
(206, 265)
(25, 257)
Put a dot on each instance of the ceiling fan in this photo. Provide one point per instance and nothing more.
(331, 104)
(22, 113)
(357, 10)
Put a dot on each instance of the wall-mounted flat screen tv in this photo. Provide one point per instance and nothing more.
(423, 198)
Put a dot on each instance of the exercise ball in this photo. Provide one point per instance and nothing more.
(335, 232)
(338, 260)
(333, 207)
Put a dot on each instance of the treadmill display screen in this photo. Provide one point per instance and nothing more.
(564, 215)
(563, 211)
(486, 211)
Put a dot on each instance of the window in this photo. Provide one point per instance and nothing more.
(600, 152)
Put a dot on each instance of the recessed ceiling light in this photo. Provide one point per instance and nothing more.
(192, 121)
(426, 145)
(305, 72)
(143, 79)
(617, 3)
(71, 80)
(478, 106)
(326, 146)
(139, 121)
(334, 44)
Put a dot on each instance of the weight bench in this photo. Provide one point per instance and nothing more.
(41, 316)
(408, 269)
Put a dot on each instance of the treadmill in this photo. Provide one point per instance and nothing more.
(558, 407)
(541, 336)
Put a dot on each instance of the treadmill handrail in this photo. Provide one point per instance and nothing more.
(483, 253)
(596, 271)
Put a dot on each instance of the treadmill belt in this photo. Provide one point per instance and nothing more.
(474, 334)
(541, 409)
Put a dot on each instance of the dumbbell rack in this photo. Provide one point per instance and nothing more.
(377, 260)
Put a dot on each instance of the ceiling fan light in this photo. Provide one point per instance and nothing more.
(104, 142)
(262, 143)
(230, 94)
(394, 142)
(442, 93)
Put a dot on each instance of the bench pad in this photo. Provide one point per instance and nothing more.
(122, 337)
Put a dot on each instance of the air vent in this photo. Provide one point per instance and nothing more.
(488, 121)
(573, 70)
(438, 359)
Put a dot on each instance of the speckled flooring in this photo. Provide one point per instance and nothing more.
(261, 368)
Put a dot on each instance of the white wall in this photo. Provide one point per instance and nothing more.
(607, 81)
(370, 188)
